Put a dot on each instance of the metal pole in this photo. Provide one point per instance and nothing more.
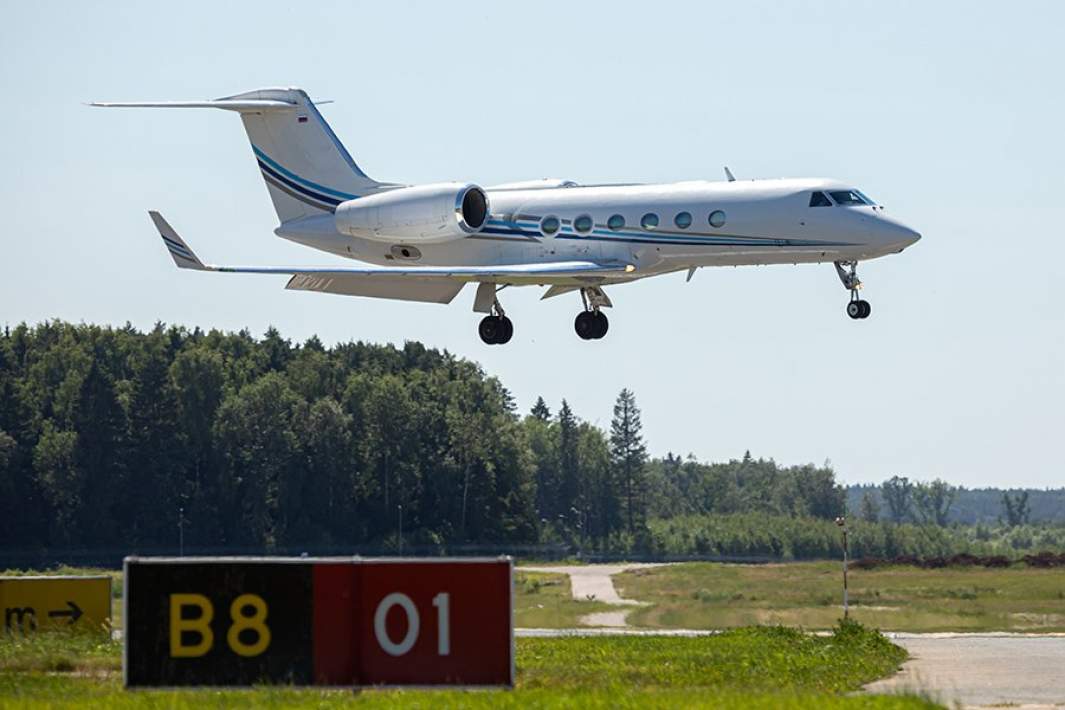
(842, 523)
(181, 532)
(846, 606)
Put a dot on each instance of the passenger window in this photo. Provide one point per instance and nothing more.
(616, 222)
(549, 225)
(649, 221)
(819, 199)
(717, 218)
(683, 220)
(583, 224)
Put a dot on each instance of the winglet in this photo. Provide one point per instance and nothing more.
(179, 250)
(729, 175)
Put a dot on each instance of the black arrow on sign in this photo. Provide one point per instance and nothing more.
(74, 612)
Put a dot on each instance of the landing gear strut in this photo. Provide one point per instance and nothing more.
(848, 274)
(592, 323)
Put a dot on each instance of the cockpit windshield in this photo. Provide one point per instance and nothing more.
(850, 197)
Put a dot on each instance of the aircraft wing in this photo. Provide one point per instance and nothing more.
(437, 284)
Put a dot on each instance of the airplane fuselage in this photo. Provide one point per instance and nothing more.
(657, 228)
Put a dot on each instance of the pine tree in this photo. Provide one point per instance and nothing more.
(628, 458)
(569, 484)
(540, 410)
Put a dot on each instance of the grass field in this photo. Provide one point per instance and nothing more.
(744, 668)
(713, 596)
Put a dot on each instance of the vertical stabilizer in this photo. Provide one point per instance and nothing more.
(307, 170)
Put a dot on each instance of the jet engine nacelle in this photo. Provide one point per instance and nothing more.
(422, 214)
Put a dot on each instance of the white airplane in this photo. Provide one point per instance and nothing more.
(426, 242)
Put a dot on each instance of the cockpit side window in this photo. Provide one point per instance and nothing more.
(850, 197)
(818, 199)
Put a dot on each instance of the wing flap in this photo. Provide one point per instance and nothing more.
(403, 288)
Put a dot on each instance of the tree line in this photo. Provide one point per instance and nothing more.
(121, 440)
(899, 500)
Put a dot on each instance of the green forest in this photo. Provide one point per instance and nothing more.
(115, 441)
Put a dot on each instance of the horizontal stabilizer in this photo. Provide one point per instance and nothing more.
(227, 104)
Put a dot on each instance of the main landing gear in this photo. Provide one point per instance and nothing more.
(848, 274)
(496, 328)
(592, 323)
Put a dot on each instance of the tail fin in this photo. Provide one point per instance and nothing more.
(306, 168)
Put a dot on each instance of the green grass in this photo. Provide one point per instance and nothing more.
(745, 668)
(59, 651)
(545, 601)
(808, 594)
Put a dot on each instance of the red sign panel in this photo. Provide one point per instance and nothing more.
(432, 623)
(413, 622)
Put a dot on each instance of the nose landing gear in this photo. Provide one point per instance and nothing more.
(848, 274)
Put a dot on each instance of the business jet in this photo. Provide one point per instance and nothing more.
(426, 242)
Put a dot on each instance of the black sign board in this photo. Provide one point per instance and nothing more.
(218, 622)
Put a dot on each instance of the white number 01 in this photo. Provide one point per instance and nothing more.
(443, 625)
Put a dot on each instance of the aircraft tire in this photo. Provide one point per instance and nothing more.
(602, 325)
(854, 309)
(585, 325)
(489, 330)
(866, 309)
(506, 331)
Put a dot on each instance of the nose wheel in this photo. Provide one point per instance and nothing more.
(858, 308)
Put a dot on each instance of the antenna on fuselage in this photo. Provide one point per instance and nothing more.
(729, 175)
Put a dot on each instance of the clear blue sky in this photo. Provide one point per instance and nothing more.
(950, 114)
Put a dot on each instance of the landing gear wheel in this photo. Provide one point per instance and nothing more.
(601, 325)
(495, 330)
(854, 310)
(506, 331)
(489, 329)
(866, 309)
(585, 325)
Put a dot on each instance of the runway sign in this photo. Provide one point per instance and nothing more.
(60, 602)
(300, 621)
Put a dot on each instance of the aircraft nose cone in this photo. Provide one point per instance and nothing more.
(898, 234)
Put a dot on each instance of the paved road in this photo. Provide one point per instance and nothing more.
(958, 670)
(974, 670)
(594, 581)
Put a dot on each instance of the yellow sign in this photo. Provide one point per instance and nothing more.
(32, 603)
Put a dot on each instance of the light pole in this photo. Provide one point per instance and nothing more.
(842, 523)
(181, 532)
(400, 507)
